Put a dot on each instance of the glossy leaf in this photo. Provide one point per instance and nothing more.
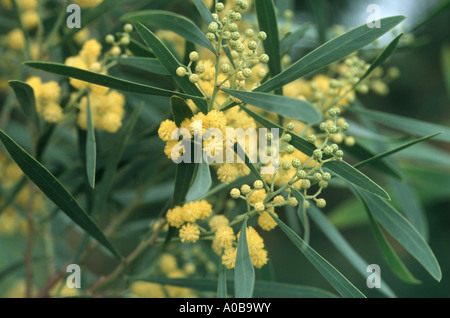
(202, 182)
(173, 22)
(171, 64)
(410, 125)
(285, 106)
(402, 230)
(330, 52)
(55, 191)
(91, 147)
(25, 96)
(341, 244)
(244, 273)
(148, 64)
(267, 20)
(328, 271)
(104, 80)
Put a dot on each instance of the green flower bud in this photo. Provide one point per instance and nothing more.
(193, 56)
(269, 136)
(128, 28)
(235, 193)
(232, 27)
(258, 184)
(296, 163)
(193, 78)
(317, 154)
(323, 184)
(301, 174)
(249, 33)
(326, 176)
(286, 165)
(323, 126)
(311, 138)
(287, 138)
(290, 149)
(219, 6)
(247, 72)
(200, 68)
(262, 35)
(345, 126)
(226, 35)
(334, 147)
(293, 201)
(317, 177)
(264, 58)
(306, 184)
(321, 203)
(252, 45)
(327, 150)
(181, 71)
(213, 27)
(210, 36)
(109, 39)
(225, 68)
(290, 126)
(305, 204)
(235, 35)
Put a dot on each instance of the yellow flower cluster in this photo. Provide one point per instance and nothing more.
(15, 40)
(28, 12)
(255, 242)
(184, 217)
(47, 96)
(107, 106)
(168, 267)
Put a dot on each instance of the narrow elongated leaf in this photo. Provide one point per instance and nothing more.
(330, 52)
(341, 244)
(360, 152)
(267, 20)
(445, 61)
(171, 64)
(331, 274)
(25, 96)
(263, 289)
(244, 273)
(319, 11)
(290, 39)
(302, 215)
(397, 149)
(393, 260)
(285, 106)
(222, 282)
(343, 169)
(91, 147)
(388, 50)
(55, 191)
(201, 184)
(180, 110)
(410, 205)
(402, 230)
(144, 63)
(104, 80)
(173, 22)
(413, 126)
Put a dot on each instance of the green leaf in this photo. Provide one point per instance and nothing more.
(113, 160)
(250, 165)
(144, 63)
(319, 10)
(343, 169)
(201, 184)
(222, 282)
(388, 50)
(392, 151)
(104, 80)
(285, 106)
(91, 147)
(361, 153)
(302, 214)
(331, 274)
(173, 22)
(413, 126)
(55, 191)
(25, 96)
(263, 289)
(267, 20)
(180, 110)
(402, 230)
(341, 244)
(330, 52)
(291, 38)
(445, 61)
(244, 273)
(441, 7)
(171, 64)
(393, 260)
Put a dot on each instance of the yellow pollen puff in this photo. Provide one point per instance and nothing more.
(189, 233)
(266, 222)
(175, 217)
(259, 207)
(147, 290)
(53, 113)
(218, 221)
(15, 40)
(224, 237)
(168, 263)
(166, 129)
(229, 257)
(30, 19)
(258, 196)
(278, 199)
(227, 173)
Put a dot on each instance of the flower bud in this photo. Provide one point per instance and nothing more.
(235, 193)
(193, 56)
(258, 184)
